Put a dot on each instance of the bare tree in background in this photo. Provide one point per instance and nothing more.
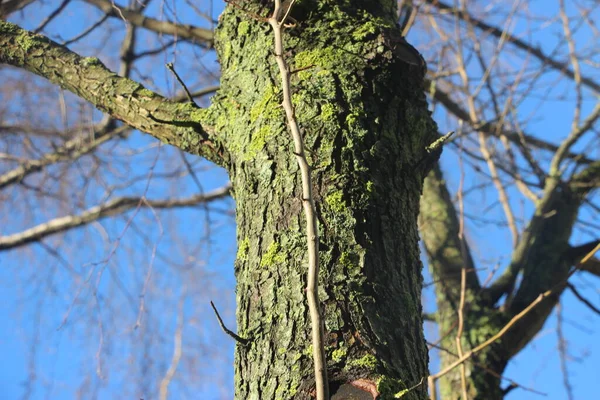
(495, 82)
(489, 79)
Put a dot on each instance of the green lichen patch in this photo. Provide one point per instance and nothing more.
(328, 112)
(335, 200)
(243, 28)
(243, 249)
(349, 261)
(324, 58)
(27, 40)
(389, 388)
(7, 27)
(258, 142)
(273, 256)
(268, 106)
(368, 361)
(90, 61)
(339, 354)
(365, 30)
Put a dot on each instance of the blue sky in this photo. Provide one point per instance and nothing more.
(89, 296)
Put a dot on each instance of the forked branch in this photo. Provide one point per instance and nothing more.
(507, 327)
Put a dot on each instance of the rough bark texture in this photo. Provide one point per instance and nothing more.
(366, 125)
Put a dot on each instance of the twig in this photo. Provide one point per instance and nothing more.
(497, 336)
(408, 16)
(177, 352)
(562, 352)
(583, 299)
(463, 277)
(433, 152)
(546, 59)
(52, 15)
(502, 196)
(235, 337)
(277, 21)
(439, 142)
(112, 207)
(513, 384)
(187, 92)
(295, 71)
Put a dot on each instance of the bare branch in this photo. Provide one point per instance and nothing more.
(585, 301)
(177, 341)
(514, 320)
(561, 67)
(502, 196)
(488, 370)
(53, 15)
(116, 206)
(239, 339)
(592, 266)
(494, 338)
(562, 352)
(71, 150)
(10, 6)
(576, 133)
(202, 36)
(495, 129)
(576, 253)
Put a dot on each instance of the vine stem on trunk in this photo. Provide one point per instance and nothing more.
(277, 21)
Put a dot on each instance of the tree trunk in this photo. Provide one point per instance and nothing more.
(447, 255)
(359, 101)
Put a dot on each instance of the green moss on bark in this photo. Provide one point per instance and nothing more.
(353, 101)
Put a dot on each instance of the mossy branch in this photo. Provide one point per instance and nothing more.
(174, 123)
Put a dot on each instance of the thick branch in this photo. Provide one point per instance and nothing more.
(534, 320)
(586, 180)
(203, 36)
(114, 207)
(544, 242)
(541, 258)
(576, 134)
(10, 6)
(575, 254)
(549, 247)
(174, 123)
(446, 253)
(592, 266)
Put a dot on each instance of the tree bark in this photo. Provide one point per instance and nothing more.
(366, 125)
